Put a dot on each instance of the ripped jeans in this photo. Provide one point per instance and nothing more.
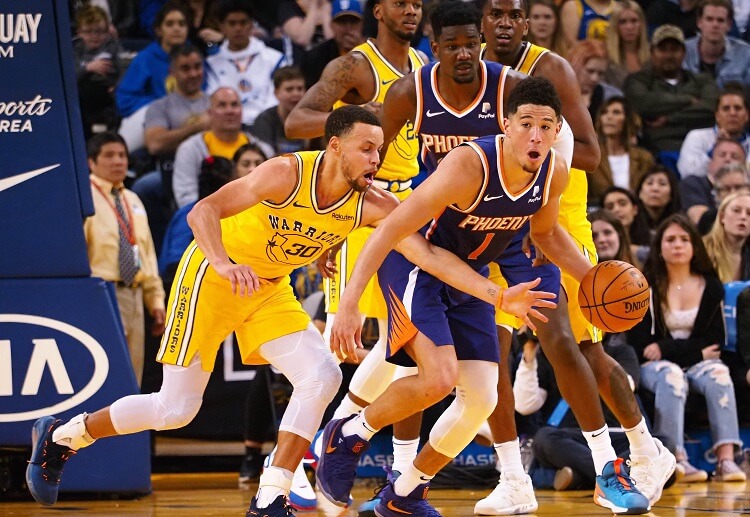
(670, 385)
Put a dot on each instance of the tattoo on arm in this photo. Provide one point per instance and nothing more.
(338, 78)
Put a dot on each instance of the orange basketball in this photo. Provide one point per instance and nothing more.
(614, 296)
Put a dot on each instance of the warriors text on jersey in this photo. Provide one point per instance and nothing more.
(442, 127)
(400, 162)
(275, 239)
(479, 234)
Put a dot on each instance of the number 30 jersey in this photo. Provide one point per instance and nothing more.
(275, 239)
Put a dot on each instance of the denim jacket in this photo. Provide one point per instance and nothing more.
(734, 65)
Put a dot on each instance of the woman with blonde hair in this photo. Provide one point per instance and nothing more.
(544, 25)
(727, 243)
(627, 41)
(589, 60)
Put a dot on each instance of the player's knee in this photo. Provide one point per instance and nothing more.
(177, 413)
(479, 401)
(319, 382)
(439, 382)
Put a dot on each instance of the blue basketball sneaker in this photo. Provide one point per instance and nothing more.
(616, 490)
(338, 461)
(47, 461)
(278, 508)
(393, 505)
(367, 509)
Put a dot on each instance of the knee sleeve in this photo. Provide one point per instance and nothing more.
(476, 398)
(314, 373)
(374, 375)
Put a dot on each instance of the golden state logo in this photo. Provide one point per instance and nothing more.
(292, 248)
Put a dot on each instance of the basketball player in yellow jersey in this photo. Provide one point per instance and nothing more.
(234, 278)
(504, 24)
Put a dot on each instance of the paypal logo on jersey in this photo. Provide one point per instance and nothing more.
(485, 111)
(535, 195)
(52, 365)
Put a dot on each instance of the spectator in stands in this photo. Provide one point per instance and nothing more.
(98, 69)
(244, 63)
(584, 19)
(670, 100)
(307, 22)
(589, 61)
(624, 205)
(119, 244)
(121, 16)
(544, 26)
(147, 76)
(223, 138)
(696, 192)
(729, 179)
(678, 343)
(659, 195)
(727, 243)
(731, 122)
(204, 32)
(610, 238)
(182, 113)
(725, 58)
(289, 87)
(623, 163)
(627, 42)
(346, 25)
(675, 12)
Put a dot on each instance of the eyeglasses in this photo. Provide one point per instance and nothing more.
(732, 188)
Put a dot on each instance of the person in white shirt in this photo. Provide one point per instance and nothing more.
(243, 62)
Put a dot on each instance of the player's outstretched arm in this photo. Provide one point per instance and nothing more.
(308, 118)
(399, 107)
(554, 241)
(273, 180)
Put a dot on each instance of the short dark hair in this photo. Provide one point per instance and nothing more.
(534, 90)
(186, 49)
(732, 88)
(341, 120)
(286, 73)
(524, 5)
(99, 140)
(227, 7)
(170, 6)
(452, 13)
(245, 148)
(726, 4)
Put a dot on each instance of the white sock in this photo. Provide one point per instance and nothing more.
(73, 433)
(601, 447)
(404, 452)
(641, 441)
(347, 408)
(274, 482)
(410, 479)
(359, 426)
(509, 458)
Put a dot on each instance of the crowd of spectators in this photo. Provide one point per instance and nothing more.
(199, 91)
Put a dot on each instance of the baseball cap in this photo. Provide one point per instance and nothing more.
(345, 8)
(666, 32)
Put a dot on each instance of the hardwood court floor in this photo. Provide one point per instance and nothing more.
(216, 494)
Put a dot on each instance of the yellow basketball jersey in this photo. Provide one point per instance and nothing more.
(400, 162)
(275, 239)
(574, 198)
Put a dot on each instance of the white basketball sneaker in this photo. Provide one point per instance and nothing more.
(513, 495)
(650, 474)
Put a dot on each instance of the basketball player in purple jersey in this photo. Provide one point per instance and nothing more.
(477, 199)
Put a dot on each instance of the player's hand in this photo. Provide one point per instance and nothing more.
(374, 107)
(652, 352)
(711, 352)
(522, 302)
(243, 279)
(539, 257)
(159, 316)
(346, 333)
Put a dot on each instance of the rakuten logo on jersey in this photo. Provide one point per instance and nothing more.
(46, 367)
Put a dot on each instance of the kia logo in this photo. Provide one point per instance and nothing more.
(46, 357)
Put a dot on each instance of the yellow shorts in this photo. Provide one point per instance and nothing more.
(582, 329)
(580, 326)
(372, 303)
(202, 312)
